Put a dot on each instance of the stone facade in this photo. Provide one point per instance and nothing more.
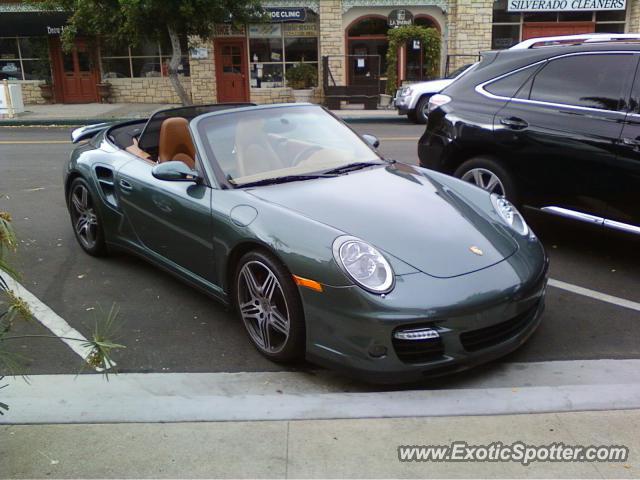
(203, 74)
(271, 95)
(469, 30)
(31, 92)
(145, 90)
(633, 24)
(332, 39)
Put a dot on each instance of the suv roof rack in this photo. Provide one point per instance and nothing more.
(574, 40)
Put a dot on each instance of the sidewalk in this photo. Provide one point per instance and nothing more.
(83, 114)
(310, 448)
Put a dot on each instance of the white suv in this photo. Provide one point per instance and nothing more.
(412, 100)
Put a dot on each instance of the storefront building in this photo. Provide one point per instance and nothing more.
(250, 63)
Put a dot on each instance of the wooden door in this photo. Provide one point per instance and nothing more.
(231, 71)
(553, 29)
(75, 72)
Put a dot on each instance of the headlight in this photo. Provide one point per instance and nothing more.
(509, 214)
(364, 264)
(405, 92)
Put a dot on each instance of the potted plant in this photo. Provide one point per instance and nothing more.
(302, 77)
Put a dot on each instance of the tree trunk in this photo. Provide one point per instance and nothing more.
(176, 56)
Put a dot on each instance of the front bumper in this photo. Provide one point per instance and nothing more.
(478, 317)
(403, 105)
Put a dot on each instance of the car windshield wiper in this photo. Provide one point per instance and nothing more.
(285, 179)
(350, 167)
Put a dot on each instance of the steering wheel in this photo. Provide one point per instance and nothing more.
(305, 154)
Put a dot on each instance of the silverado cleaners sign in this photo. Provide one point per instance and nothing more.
(564, 5)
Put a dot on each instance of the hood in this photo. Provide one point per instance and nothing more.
(400, 210)
(432, 86)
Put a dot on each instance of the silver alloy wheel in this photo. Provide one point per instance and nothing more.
(85, 220)
(263, 307)
(485, 179)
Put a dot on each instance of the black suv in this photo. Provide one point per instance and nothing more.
(555, 128)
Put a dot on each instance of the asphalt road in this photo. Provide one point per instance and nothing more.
(167, 326)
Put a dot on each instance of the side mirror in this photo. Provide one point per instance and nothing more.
(175, 171)
(371, 140)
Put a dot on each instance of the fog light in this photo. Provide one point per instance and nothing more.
(416, 334)
(377, 351)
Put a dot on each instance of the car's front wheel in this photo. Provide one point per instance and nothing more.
(487, 173)
(85, 218)
(422, 114)
(269, 305)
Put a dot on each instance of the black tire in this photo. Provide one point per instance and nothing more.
(282, 349)
(411, 115)
(421, 110)
(92, 240)
(492, 166)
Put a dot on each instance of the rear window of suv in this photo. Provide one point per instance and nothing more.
(595, 81)
(510, 85)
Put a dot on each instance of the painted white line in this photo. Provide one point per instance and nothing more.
(541, 387)
(603, 297)
(50, 319)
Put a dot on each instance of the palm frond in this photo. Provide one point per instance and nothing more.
(102, 341)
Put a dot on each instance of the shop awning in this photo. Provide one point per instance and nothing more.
(30, 24)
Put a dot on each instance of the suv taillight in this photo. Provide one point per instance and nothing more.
(437, 101)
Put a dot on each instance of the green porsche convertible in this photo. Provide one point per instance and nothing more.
(326, 250)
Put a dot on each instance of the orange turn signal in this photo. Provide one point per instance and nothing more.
(305, 282)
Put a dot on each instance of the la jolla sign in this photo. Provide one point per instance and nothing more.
(564, 5)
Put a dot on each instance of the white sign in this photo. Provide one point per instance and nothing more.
(199, 53)
(564, 5)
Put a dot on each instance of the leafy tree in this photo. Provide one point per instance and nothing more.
(131, 21)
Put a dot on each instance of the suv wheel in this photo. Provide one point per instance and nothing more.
(487, 173)
(421, 110)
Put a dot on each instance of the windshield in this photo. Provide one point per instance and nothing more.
(271, 143)
(458, 71)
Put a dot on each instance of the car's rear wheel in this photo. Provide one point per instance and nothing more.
(85, 218)
(487, 173)
(269, 305)
(421, 110)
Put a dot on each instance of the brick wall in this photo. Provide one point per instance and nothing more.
(634, 16)
(332, 39)
(203, 74)
(145, 90)
(31, 92)
(469, 29)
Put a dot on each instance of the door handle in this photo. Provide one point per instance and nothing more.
(514, 123)
(126, 186)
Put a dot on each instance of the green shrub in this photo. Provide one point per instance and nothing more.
(302, 75)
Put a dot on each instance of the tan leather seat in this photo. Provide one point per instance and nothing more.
(175, 142)
(254, 151)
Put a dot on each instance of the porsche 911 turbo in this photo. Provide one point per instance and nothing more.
(325, 249)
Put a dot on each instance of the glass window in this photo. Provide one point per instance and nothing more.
(116, 68)
(508, 86)
(369, 26)
(10, 70)
(505, 36)
(141, 60)
(575, 16)
(270, 45)
(301, 49)
(265, 49)
(585, 81)
(611, 16)
(35, 69)
(609, 27)
(8, 48)
(501, 15)
(34, 47)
